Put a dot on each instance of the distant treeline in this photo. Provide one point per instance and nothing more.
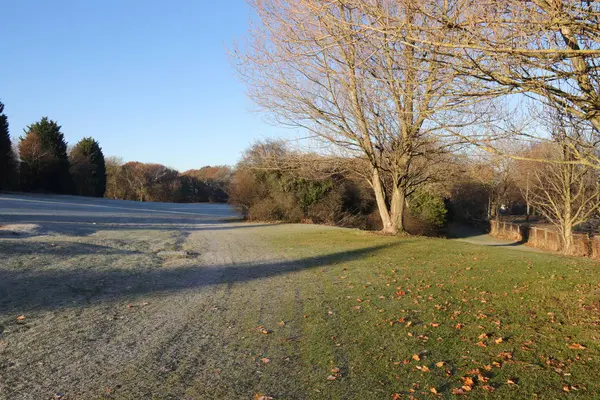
(41, 162)
(155, 182)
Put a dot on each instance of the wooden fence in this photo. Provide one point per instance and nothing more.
(545, 239)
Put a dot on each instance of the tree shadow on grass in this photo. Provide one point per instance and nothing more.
(22, 291)
(17, 247)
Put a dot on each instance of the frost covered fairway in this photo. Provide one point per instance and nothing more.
(133, 301)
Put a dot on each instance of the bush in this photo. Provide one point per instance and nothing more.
(428, 208)
(271, 194)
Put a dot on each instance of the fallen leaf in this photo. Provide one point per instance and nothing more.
(396, 396)
(335, 370)
(458, 392)
(566, 388)
(480, 344)
(263, 330)
(511, 382)
(331, 378)
(459, 326)
(282, 323)
(499, 340)
(21, 318)
(265, 360)
(259, 396)
(488, 388)
(423, 368)
(433, 390)
(416, 357)
(439, 364)
(576, 346)
(467, 381)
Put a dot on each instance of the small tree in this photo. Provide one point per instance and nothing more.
(88, 169)
(8, 161)
(113, 169)
(44, 162)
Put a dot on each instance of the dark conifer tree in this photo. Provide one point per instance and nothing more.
(44, 161)
(8, 161)
(88, 169)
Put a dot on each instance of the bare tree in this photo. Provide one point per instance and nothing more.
(333, 69)
(547, 50)
(566, 194)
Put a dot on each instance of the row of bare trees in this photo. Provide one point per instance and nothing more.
(405, 85)
(155, 182)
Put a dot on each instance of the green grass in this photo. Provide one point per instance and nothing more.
(365, 304)
(369, 315)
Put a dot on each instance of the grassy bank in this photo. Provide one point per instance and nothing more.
(420, 317)
(291, 312)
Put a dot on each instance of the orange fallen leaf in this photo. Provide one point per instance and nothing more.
(416, 357)
(423, 368)
(259, 396)
(467, 381)
(263, 330)
(396, 396)
(21, 318)
(439, 364)
(488, 388)
(335, 370)
(480, 344)
(499, 340)
(511, 382)
(265, 360)
(576, 346)
(433, 390)
(281, 323)
(458, 392)
(459, 326)
(566, 388)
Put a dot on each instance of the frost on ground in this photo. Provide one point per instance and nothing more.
(133, 299)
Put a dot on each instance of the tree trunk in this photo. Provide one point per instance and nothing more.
(398, 206)
(388, 226)
(567, 237)
(392, 218)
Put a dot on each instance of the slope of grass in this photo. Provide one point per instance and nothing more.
(293, 312)
(426, 317)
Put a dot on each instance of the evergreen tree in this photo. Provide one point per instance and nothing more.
(44, 162)
(88, 169)
(8, 161)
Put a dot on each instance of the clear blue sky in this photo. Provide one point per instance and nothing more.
(149, 79)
